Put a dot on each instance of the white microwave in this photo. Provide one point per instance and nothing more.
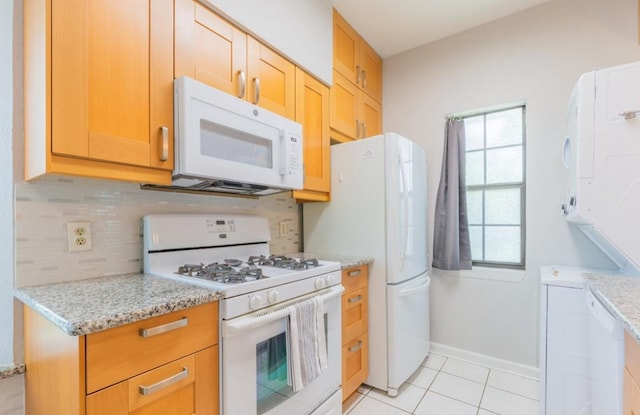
(226, 144)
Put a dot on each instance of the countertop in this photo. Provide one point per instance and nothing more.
(11, 370)
(347, 261)
(621, 296)
(87, 306)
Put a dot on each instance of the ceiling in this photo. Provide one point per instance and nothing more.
(393, 26)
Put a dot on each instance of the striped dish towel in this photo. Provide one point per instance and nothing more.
(308, 343)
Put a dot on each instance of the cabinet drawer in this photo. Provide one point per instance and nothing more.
(120, 353)
(355, 364)
(354, 313)
(354, 278)
(632, 356)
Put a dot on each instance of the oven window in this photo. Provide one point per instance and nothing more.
(274, 386)
(229, 144)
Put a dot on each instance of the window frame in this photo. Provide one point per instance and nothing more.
(521, 265)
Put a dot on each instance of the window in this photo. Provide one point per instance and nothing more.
(495, 175)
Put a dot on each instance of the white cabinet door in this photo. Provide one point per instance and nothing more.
(568, 390)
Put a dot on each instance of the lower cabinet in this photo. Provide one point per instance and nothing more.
(631, 401)
(355, 322)
(170, 389)
(162, 365)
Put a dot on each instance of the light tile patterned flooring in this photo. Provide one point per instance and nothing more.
(447, 386)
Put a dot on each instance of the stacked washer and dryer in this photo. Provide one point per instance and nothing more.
(581, 343)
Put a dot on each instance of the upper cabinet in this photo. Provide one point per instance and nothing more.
(99, 89)
(213, 51)
(356, 94)
(355, 59)
(312, 111)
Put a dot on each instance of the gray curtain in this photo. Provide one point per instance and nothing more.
(451, 246)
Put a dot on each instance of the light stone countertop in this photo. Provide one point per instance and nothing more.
(621, 297)
(11, 370)
(87, 306)
(347, 261)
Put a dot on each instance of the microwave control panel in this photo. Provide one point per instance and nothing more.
(292, 155)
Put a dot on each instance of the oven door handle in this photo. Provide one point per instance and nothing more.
(239, 325)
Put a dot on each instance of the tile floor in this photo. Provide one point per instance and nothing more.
(447, 386)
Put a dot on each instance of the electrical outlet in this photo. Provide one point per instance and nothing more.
(79, 236)
(284, 228)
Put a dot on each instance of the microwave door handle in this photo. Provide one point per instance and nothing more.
(242, 82)
(256, 90)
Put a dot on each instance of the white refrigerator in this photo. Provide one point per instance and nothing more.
(378, 208)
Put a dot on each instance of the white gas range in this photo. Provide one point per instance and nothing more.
(230, 253)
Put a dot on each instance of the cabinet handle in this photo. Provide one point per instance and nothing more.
(163, 328)
(364, 130)
(148, 390)
(164, 147)
(356, 347)
(358, 74)
(355, 272)
(256, 95)
(364, 78)
(242, 83)
(357, 129)
(355, 299)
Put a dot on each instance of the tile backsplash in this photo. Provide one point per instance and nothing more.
(115, 211)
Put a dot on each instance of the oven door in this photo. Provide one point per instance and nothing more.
(256, 371)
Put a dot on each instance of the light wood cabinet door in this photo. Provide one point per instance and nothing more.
(183, 387)
(353, 114)
(312, 111)
(209, 48)
(371, 76)
(355, 59)
(112, 81)
(343, 111)
(271, 79)
(355, 364)
(346, 49)
(370, 116)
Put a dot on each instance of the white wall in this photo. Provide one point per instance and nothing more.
(535, 56)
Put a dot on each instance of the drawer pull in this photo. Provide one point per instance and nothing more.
(355, 272)
(355, 299)
(148, 390)
(356, 347)
(163, 328)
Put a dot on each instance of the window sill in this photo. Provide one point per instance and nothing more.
(496, 274)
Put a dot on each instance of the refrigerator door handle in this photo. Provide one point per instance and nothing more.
(415, 290)
(405, 224)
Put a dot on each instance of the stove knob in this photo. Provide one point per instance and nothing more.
(331, 279)
(272, 296)
(254, 302)
(320, 283)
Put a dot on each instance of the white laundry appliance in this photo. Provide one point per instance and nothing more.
(602, 157)
(378, 208)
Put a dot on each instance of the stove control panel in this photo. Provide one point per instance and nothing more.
(221, 225)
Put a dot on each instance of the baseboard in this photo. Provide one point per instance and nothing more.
(485, 360)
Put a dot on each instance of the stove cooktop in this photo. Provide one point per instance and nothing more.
(235, 277)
